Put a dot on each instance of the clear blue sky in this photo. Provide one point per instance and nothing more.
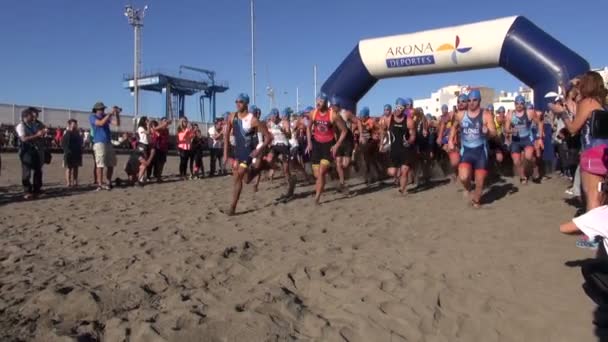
(72, 53)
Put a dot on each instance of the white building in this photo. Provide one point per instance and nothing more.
(507, 99)
(449, 96)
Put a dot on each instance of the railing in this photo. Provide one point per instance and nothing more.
(10, 114)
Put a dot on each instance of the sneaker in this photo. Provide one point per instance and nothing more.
(585, 243)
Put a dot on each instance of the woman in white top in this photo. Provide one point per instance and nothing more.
(143, 136)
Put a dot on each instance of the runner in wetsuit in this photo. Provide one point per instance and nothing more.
(244, 126)
(344, 154)
(474, 126)
(367, 145)
(401, 134)
(519, 135)
(321, 141)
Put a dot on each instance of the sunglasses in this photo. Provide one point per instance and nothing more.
(400, 107)
(239, 101)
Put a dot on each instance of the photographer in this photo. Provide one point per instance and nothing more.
(31, 151)
(593, 166)
(105, 157)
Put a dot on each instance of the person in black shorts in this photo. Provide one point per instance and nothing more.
(401, 134)
(344, 153)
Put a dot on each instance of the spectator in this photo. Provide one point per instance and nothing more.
(216, 138)
(136, 166)
(31, 152)
(105, 157)
(199, 144)
(71, 144)
(593, 168)
(58, 137)
(160, 140)
(185, 133)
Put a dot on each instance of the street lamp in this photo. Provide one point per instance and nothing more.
(136, 19)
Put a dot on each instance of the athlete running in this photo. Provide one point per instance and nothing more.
(518, 132)
(280, 130)
(475, 127)
(344, 154)
(322, 146)
(244, 125)
(401, 135)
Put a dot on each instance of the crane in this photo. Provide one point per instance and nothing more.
(210, 92)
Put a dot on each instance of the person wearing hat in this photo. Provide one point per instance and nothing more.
(31, 152)
(475, 127)
(244, 126)
(518, 131)
(345, 153)
(322, 146)
(105, 157)
(400, 136)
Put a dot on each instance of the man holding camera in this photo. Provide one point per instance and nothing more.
(105, 157)
(31, 151)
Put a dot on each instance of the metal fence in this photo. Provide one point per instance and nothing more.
(10, 114)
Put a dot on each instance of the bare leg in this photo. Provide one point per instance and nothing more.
(340, 170)
(110, 171)
(464, 173)
(99, 175)
(68, 178)
(75, 176)
(593, 197)
(320, 185)
(403, 179)
(239, 174)
(480, 177)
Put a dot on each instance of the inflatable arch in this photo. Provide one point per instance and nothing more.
(514, 43)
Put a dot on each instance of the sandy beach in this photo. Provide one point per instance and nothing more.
(162, 263)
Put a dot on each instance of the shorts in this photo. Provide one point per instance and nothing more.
(347, 146)
(72, 161)
(595, 160)
(280, 151)
(400, 156)
(321, 153)
(495, 146)
(519, 145)
(476, 157)
(242, 156)
(104, 155)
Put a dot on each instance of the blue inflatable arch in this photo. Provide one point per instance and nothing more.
(514, 43)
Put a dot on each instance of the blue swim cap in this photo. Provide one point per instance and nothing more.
(226, 115)
(520, 99)
(364, 111)
(400, 102)
(253, 108)
(500, 109)
(463, 98)
(429, 116)
(529, 105)
(308, 109)
(243, 97)
(322, 96)
(388, 106)
(444, 108)
(409, 101)
(491, 107)
(287, 111)
(475, 94)
(273, 111)
(335, 101)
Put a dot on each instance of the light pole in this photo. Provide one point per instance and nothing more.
(136, 19)
(252, 52)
